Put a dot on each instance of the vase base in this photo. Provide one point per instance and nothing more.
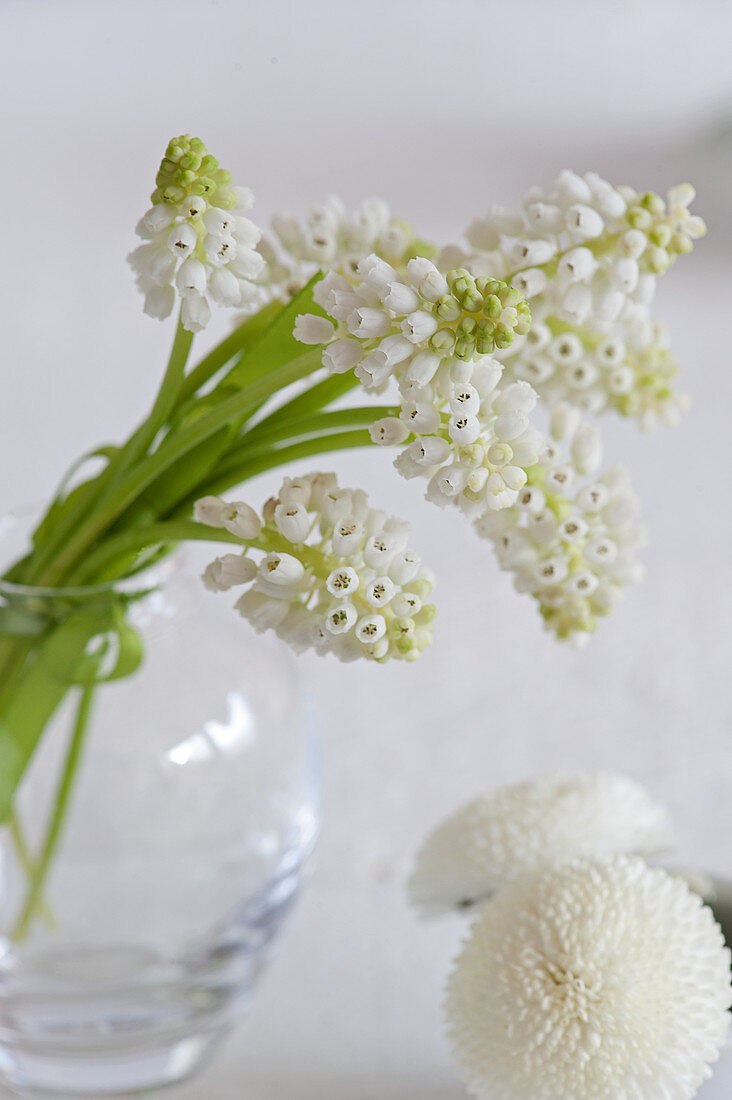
(106, 1073)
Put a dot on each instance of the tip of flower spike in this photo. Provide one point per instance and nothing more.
(196, 242)
(335, 575)
(480, 315)
(188, 169)
(668, 225)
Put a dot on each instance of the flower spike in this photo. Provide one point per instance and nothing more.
(333, 238)
(196, 241)
(466, 434)
(333, 574)
(588, 255)
(571, 538)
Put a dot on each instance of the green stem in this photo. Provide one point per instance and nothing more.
(27, 864)
(99, 490)
(269, 459)
(227, 350)
(13, 655)
(164, 404)
(173, 450)
(355, 416)
(181, 530)
(316, 397)
(151, 535)
(58, 816)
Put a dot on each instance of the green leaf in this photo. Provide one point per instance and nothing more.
(276, 344)
(19, 622)
(64, 503)
(66, 657)
(174, 484)
(119, 635)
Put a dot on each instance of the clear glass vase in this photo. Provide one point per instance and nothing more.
(182, 820)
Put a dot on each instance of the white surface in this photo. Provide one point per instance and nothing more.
(431, 105)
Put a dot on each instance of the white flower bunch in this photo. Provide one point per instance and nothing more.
(587, 975)
(571, 538)
(196, 241)
(435, 334)
(499, 837)
(479, 371)
(587, 255)
(595, 980)
(332, 238)
(333, 574)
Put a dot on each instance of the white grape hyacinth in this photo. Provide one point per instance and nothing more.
(198, 246)
(571, 538)
(325, 571)
(331, 237)
(516, 829)
(587, 255)
(466, 433)
(604, 980)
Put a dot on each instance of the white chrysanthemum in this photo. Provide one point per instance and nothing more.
(518, 828)
(588, 255)
(196, 241)
(571, 539)
(332, 574)
(592, 981)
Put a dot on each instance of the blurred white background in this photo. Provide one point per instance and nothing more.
(441, 108)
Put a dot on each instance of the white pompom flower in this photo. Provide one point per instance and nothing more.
(198, 246)
(604, 980)
(325, 571)
(496, 838)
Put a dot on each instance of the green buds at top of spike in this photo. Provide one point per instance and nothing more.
(188, 169)
(478, 316)
(668, 225)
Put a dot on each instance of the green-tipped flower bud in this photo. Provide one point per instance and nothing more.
(680, 243)
(443, 340)
(653, 202)
(503, 336)
(639, 218)
(485, 345)
(492, 306)
(189, 169)
(657, 259)
(660, 235)
(502, 312)
(447, 308)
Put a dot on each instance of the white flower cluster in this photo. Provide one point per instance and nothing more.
(196, 241)
(498, 837)
(587, 255)
(587, 975)
(435, 334)
(332, 238)
(571, 539)
(333, 574)
(594, 980)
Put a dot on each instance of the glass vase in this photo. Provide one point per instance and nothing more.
(157, 838)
